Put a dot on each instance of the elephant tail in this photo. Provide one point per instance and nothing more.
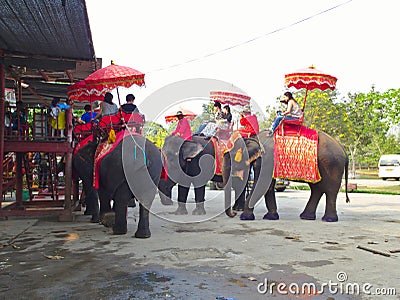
(346, 177)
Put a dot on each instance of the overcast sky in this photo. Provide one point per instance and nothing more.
(356, 42)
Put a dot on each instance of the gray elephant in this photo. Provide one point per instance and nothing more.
(82, 163)
(130, 170)
(188, 162)
(332, 163)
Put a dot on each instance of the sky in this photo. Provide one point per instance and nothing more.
(249, 44)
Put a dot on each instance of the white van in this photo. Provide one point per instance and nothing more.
(389, 166)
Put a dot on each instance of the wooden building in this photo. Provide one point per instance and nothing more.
(45, 46)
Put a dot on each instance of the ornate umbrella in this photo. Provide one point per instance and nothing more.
(310, 79)
(80, 92)
(230, 98)
(171, 117)
(111, 77)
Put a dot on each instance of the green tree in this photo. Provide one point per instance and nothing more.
(206, 115)
(155, 133)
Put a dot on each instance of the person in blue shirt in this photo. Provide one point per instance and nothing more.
(88, 116)
(57, 114)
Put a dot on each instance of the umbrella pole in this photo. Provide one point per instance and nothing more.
(305, 99)
(119, 100)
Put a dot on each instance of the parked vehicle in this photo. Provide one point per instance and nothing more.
(389, 166)
(281, 184)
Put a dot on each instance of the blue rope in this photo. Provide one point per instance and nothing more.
(144, 155)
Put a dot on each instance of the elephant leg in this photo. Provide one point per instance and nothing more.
(143, 229)
(132, 202)
(227, 186)
(107, 215)
(199, 193)
(165, 192)
(182, 198)
(121, 198)
(258, 190)
(92, 205)
(240, 194)
(270, 203)
(309, 212)
(330, 208)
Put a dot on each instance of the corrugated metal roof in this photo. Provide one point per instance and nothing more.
(54, 28)
(46, 44)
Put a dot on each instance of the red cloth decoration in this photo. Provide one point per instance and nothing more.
(102, 150)
(220, 147)
(296, 155)
(82, 143)
(230, 98)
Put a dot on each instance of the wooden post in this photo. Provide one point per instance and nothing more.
(19, 178)
(2, 99)
(67, 216)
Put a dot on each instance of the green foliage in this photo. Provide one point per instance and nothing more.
(206, 115)
(155, 133)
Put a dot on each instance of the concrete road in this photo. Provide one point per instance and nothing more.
(205, 257)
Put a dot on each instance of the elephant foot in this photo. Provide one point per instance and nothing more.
(307, 216)
(142, 234)
(238, 207)
(118, 230)
(132, 203)
(199, 210)
(326, 218)
(250, 217)
(181, 210)
(271, 216)
(230, 213)
(95, 218)
(108, 219)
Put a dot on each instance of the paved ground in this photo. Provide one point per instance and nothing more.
(197, 257)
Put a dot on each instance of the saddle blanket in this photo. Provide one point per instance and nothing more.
(296, 156)
(82, 143)
(102, 150)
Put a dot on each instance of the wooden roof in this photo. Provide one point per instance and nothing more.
(47, 44)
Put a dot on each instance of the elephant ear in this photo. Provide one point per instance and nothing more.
(191, 149)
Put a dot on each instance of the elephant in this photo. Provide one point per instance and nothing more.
(130, 170)
(332, 163)
(188, 162)
(82, 163)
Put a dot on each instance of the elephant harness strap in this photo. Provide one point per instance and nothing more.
(296, 155)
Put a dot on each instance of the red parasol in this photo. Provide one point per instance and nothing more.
(80, 92)
(111, 77)
(171, 117)
(310, 79)
(230, 98)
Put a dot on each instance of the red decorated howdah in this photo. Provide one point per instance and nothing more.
(296, 155)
